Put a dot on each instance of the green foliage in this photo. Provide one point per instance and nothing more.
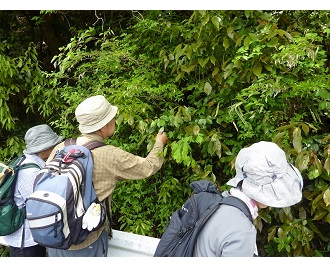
(4, 251)
(216, 81)
(20, 76)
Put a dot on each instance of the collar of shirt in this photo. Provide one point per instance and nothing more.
(89, 137)
(34, 159)
(251, 204)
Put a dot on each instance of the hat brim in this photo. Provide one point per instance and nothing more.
(96, 126)
(281, 192)
(44, 146)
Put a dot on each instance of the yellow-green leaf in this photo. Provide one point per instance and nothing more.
(247, 41)
(205, 19)
(326, 197)
(215, 71)
(213, 60)
(297, 145)
(327, 165)
(207, 88)
(257, 69)
(318, 164)
(216, 22)
(189, 52)
(196, 130)
(302, 162)
(305, 128)
(218, 78)
(268, 67)
(230, 32)
(225, 43)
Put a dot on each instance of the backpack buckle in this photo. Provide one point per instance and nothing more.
(69, 156)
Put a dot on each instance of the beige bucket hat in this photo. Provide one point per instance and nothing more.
(266, 175)
(94, 113)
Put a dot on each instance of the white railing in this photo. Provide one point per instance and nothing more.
(125, 244)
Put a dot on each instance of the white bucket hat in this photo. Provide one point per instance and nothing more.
(94, 113)
(40, 138)
(266, 175)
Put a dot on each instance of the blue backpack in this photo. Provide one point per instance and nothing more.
(181, 234)
(63, 190)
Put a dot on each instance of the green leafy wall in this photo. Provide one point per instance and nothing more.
(217, 81)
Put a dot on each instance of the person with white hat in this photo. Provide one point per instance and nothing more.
(40, 141)
(263, 178)
(96, 118)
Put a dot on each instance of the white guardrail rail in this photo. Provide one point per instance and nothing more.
(125, 244)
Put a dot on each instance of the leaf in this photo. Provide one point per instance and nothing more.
(279, 136)
(216, 22)
(205, 19)
(205, 61)
(238, 41)
(230, 32)
(305, 128)
(327, 165)
(247, 41)
(177, 51)
(273, 42)
(288, 36)
(313, 173)
(280, 233)
(297, 139)
(213, 60)
(257, 68)
(207, 88)
(215, 71)
(271, 234)
(217, 148)
(320, 214)
(302, 162)
(318, 164)
(196, 130)
(218, 78)
(225, 43)
(302, 213)
(189, 52)
(326, 197)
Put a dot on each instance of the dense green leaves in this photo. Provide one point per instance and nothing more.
(216, 81)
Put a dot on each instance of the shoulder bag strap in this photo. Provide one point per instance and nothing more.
(236, 202)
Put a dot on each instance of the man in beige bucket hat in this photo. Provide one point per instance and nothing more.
(40, 141)
(96, 117)
(263, 178)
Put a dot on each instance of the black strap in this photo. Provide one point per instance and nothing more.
(238, 203)
(107, 210)
(23, 233)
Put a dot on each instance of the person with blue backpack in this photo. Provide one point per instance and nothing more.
(40, 141)
(96, 118)
(264, 178)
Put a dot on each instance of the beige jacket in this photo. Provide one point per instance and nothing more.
(111, 164)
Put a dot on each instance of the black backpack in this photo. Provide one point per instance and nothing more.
(181, 234)
(11, 217)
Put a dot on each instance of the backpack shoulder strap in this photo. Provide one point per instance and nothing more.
(90, 145)
(70, 141)
(21, 166)
(236, 202)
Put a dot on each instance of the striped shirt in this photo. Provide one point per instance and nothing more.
(111, 164)
(24, 188)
